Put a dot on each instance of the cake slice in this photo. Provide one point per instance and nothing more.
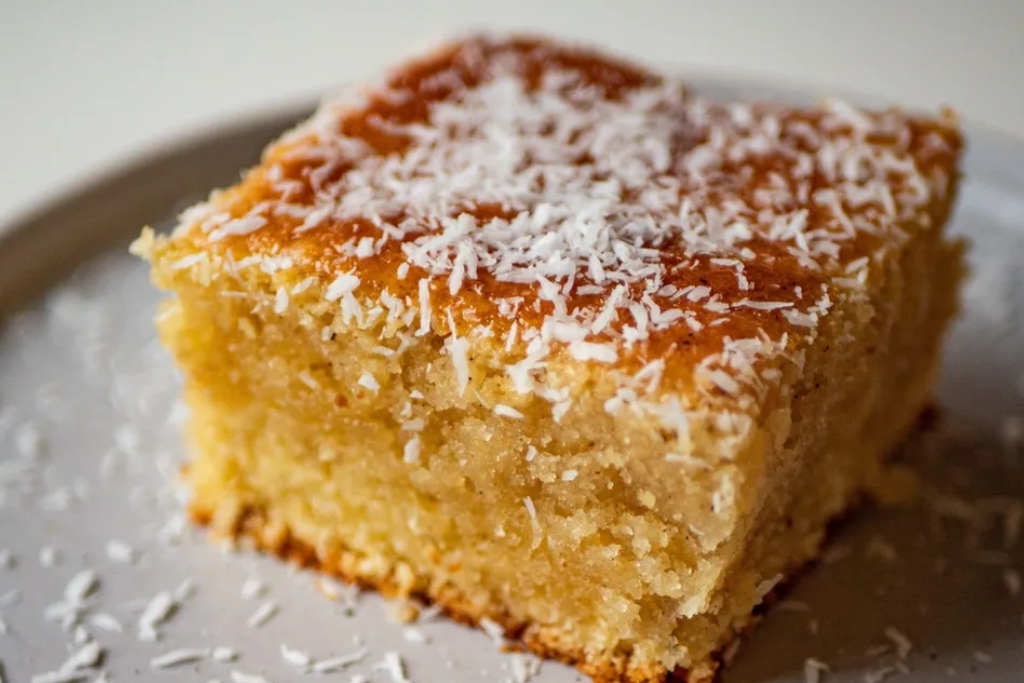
(539, 336)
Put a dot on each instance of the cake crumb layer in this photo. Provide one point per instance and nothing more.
(542, 336)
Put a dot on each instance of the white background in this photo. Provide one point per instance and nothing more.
(83, 83)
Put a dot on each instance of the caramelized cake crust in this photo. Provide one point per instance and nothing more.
(539, 335)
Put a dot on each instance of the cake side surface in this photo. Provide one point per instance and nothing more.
(542, 337)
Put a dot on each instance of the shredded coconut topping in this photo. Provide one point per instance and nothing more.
(563, 201)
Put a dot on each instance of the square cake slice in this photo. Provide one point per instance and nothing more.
(537, 335)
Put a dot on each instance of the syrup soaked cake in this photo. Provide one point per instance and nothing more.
(538, 335)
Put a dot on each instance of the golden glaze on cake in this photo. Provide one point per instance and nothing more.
(668, 338)
(803, 197)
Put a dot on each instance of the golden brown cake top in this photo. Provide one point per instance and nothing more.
(565, 204)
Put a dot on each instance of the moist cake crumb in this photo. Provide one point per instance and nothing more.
(522, 311)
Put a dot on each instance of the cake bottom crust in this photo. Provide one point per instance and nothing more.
(252, 526)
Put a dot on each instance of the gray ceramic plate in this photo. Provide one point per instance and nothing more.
(89, 447)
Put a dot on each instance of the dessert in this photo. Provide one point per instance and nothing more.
(535, 334)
